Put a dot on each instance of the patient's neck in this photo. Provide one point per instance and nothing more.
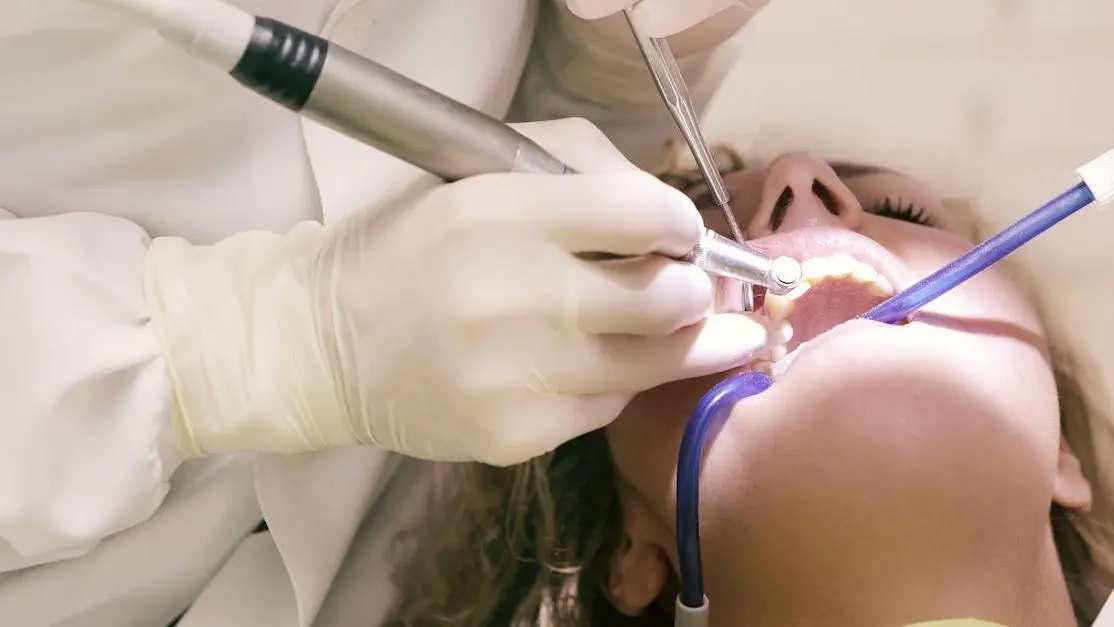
(994, 590)
(1054, 606)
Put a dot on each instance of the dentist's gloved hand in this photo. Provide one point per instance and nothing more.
(459, 328)
(663, 18)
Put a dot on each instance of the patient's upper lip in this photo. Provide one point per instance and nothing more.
(814, 242)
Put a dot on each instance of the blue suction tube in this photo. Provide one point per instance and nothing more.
(715, 407)
(710, 414)
(981, 257)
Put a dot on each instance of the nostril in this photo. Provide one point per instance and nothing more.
(781, 208)
(826, 197)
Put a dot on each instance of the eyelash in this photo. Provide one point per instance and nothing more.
(899, 210)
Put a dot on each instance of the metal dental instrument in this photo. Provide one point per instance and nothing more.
(382, 108)
(675, 94)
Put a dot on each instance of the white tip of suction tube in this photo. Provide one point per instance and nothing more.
(1099, 177)
(685, 616)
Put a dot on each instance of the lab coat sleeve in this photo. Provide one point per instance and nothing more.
(593, 70)
(86, 448)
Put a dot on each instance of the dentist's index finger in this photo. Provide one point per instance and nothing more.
(717, 344)
(628, 213)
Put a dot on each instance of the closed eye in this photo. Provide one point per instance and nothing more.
(897, 209)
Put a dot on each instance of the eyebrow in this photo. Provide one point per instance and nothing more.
(847, 170)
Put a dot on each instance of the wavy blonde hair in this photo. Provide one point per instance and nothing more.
(529, 545)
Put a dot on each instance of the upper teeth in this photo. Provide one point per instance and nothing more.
(819, 270)
(816, 271)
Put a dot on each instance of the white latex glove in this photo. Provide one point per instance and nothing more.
(663, 18)
(459, 328)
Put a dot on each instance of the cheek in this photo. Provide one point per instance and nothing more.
(923, 250)
(990, 302)
(646, 437)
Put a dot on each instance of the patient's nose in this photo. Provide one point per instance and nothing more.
(801, 192)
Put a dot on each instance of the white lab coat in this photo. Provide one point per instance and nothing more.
(108, 136)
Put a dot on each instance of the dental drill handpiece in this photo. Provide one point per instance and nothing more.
(382, 108)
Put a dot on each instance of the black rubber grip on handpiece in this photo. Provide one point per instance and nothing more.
(282, 63)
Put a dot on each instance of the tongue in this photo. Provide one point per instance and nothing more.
(827, 305)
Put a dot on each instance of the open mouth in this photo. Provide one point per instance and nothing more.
(845, 275)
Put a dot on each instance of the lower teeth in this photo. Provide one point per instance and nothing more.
(780, 366)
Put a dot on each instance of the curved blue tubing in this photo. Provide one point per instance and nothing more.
(710, 414)
(716, 405)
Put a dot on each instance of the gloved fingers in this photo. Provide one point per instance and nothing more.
(578, 143)
(631, 213)
(633, 364)
(626, 214)
(652, 296)
(540, 427)
(595, 9)
(663, 18)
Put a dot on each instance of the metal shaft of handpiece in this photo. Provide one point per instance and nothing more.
(670, 84)
(384, 109)
(380, 107)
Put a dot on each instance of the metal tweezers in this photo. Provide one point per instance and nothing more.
(671, 85)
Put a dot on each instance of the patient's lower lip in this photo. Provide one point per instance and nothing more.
(850, 326)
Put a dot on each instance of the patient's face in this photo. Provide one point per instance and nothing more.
(881, 447)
